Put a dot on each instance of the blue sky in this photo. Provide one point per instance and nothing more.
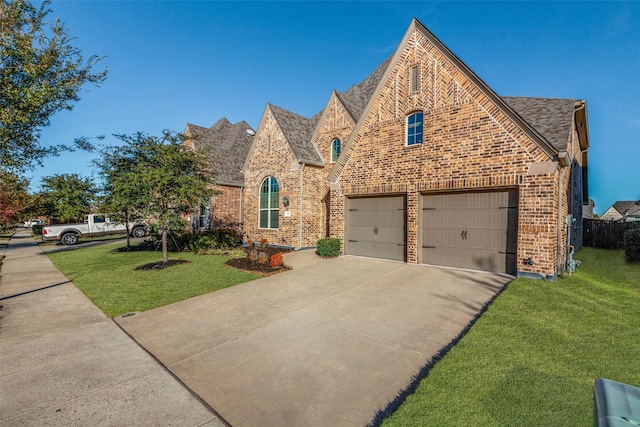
(177, 62)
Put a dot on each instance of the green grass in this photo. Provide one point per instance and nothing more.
(109, 280)
(533, 356)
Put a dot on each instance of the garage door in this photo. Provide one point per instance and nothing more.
(376, 227)
(470, 230)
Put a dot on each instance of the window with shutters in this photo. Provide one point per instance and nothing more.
(269, 194)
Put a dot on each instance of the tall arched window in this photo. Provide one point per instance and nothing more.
(335, 149)
(414, 128)
(269, 195)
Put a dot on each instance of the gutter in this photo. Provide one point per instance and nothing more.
(301, 207)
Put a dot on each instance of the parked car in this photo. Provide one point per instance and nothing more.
(32, 222)
(94, 225)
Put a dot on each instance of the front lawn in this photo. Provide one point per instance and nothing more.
(109, 280)
(532, 358)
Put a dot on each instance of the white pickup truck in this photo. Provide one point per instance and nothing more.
(94, 225)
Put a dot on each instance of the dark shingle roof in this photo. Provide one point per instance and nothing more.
(298, 131)
(356, 98)
(628, 208)
(551, 117)
(227, 146)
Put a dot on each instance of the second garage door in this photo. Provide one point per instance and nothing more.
(470, 230)
(376, 227)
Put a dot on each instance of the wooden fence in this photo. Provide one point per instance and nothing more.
(606, 234)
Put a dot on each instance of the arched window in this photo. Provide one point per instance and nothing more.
(269, 195)
(335, 149)
(414, 128)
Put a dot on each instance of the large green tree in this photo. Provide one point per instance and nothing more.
(41, 73)
(68, 197)
(157, 176)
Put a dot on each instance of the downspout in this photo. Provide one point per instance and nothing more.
(561, 220)
(301, 208)
(240, 207)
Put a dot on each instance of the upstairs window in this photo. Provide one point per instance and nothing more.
(414, 128)
(269, 195)
(335, 150)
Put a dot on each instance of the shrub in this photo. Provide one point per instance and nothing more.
(329, 247)
(632, 245)
(276, 260)
(214, 239)
(36, 230)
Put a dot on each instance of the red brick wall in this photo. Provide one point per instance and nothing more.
(225, 207)
(279, 161)
(469, 144)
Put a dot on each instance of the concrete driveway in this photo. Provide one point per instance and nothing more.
(331, 342)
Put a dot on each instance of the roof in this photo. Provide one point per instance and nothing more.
(631, 208)
(298, 131)
(551, 117)
(226, 145)
(356, 98)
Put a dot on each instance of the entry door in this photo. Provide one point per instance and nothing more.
(470, 230)
(376, 227)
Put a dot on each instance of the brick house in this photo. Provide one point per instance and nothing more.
(423, 163)
(227, 146)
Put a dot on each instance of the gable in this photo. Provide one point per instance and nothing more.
(270, 149)
(445, 85)
(335, 122)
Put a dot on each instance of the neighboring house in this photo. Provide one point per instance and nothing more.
(623, 211)
(227, 146)
(423, 163)
(587, 210)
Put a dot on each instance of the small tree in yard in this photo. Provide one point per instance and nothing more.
(124, 193)
(159, 176)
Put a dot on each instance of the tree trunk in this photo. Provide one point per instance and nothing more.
(165, 251)
(128, 236)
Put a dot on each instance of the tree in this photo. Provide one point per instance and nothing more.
(156, 175)
(14, 198)
(124, 195)
(68, 197)
(41, 73)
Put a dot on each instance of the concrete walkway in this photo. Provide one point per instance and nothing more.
(329, 343)
(64, 363)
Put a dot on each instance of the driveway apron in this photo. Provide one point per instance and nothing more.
(331, 342)
(64, 363)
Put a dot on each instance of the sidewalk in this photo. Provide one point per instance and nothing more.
(63, 362)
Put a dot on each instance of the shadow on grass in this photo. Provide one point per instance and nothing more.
(393, 406)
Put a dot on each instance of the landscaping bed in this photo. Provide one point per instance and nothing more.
(254, 265)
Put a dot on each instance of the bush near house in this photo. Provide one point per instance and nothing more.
(632, 245)
(221, 238)
(329, 247)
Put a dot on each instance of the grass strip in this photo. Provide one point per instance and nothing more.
(109, 280)
(533, 357)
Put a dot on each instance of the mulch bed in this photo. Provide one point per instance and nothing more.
(239, 263)
(259, 267)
